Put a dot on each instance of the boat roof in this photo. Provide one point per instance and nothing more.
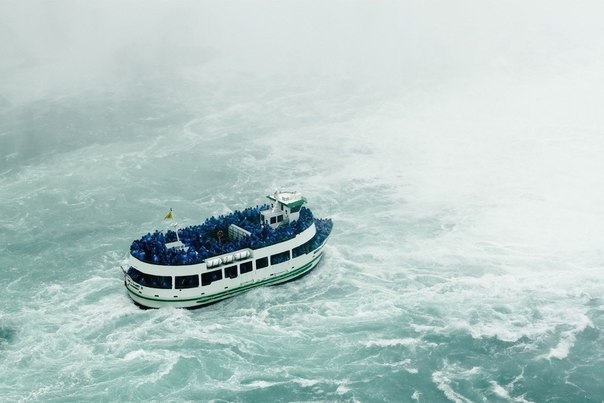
(288, 198)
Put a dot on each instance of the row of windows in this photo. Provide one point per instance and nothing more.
(192, 281)
(246, 267)
(273, 219)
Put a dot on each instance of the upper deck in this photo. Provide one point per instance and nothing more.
(216, 236)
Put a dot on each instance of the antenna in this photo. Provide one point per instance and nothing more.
(276, 196)
(175, 225)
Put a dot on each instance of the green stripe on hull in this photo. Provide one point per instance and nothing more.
(230, 293)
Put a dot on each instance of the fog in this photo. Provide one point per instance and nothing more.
(500, 99)
(457, 146)
(467, 97)
(56, 48)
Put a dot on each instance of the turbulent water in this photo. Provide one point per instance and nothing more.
(464, 180)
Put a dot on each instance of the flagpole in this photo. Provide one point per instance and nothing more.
(175, 225)
(169, 216)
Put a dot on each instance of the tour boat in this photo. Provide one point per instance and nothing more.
(226, 255)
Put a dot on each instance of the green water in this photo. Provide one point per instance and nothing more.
(466, 258)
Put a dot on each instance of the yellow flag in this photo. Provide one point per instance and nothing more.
(169, 215)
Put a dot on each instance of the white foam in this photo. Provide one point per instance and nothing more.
(567, 339)
(258, 384)
(342, 390)
(307, 382)
(450, 374)
(443, 383)
(406, 342)
(499, 390)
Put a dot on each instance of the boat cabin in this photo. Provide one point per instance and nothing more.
(284, 208)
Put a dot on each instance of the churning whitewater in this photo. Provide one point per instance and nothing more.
(458, 152)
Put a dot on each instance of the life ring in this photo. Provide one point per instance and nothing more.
(219, 234)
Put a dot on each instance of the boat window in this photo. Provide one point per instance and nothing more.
(149, 280)
(273, 220)
(295, 209)
(261, 263)
(302, 249)
(230, 272)
(280, 257)
(209, 277)
(186, 281)
(280, 218)
(245, 267)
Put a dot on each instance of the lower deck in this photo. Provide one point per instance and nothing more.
(225, 282)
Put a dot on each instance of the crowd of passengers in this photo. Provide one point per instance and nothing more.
(211, 238)
(324, 227)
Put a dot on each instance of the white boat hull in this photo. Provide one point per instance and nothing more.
(225, 287)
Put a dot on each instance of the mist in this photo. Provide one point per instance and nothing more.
(56, 48)
(444, 104)
(457, 146)
(509, 65)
